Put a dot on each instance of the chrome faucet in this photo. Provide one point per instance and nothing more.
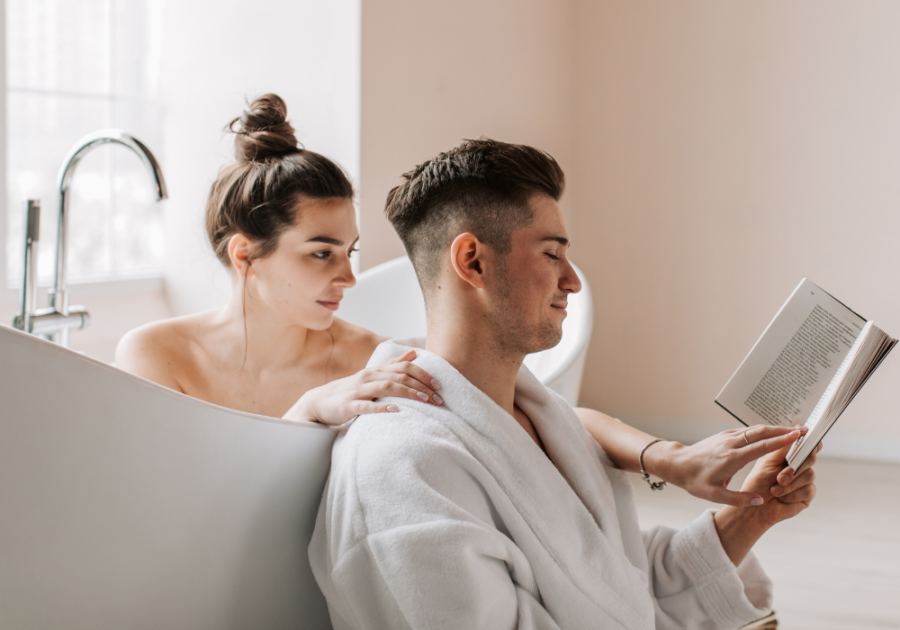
(56, 321)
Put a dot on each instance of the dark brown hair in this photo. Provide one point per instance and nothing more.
(257, 195)
(482, 186)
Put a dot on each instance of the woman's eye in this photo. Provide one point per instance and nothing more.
(350, 253)
(322, 255)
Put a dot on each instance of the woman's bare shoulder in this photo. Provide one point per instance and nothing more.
(161, 351)
(360, 341)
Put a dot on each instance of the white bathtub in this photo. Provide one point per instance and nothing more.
(125, 505)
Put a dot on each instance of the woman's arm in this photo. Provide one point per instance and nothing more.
(704, 469)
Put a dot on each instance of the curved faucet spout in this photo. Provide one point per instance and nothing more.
(59, 299)
(108, 136)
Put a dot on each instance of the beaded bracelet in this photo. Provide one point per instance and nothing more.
(654, 485)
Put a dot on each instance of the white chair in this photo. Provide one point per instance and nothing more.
(387, 300)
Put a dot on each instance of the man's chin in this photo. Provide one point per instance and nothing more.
(550, 339)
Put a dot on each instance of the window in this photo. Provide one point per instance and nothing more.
(74, 67)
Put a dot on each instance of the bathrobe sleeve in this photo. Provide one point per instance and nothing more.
(695, 584)
(414, 542)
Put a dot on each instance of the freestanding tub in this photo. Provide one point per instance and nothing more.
(125, 505)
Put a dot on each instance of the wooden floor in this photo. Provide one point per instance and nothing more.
(836, 566)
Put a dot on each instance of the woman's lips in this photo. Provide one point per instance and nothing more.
(330, 304)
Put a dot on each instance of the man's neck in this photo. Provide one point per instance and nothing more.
(474, 355)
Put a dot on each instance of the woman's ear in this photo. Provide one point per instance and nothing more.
(467, 255)
(239, 247)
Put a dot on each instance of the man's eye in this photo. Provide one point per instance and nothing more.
(552, 256)
(322, 255)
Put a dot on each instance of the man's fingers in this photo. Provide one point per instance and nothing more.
(803, 495)
(807, 478)
(787, 475)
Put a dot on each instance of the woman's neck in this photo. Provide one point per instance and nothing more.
(256, 339)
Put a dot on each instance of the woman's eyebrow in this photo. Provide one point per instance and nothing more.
(325, 239)
(330, 241)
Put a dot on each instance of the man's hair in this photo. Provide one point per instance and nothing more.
(482, 187)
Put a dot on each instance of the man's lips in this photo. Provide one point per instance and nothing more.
(561, 307)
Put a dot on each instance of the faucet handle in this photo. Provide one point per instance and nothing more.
(22, 321)
(32, 220)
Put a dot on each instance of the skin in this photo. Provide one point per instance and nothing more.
(478, 295)
(295, 359)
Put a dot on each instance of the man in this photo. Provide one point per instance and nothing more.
(497, 510)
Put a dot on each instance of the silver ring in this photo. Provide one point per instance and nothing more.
(745, 437)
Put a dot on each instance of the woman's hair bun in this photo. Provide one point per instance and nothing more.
(263, 131)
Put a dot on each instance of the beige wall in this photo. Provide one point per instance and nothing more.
(724, 151)
(716, 153)
(434, 73)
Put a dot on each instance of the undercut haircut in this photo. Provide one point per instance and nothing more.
(482, 187)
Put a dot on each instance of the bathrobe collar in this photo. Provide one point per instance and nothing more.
(503, 447)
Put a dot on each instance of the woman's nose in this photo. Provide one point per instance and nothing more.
(346, 278)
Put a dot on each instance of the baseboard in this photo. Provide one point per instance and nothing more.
(838, 444)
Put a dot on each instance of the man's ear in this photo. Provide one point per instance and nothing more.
(239, 250)
(467, 257)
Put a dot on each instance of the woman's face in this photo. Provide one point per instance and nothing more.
(304, 279)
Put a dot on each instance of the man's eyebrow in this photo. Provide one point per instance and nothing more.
(559, 239)
(330, 241)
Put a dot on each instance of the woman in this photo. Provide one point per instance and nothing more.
(282, 220)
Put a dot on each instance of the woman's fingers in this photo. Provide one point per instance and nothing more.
(391, 387)
(414, 371)
(423, 392)
(409, 355)
(360, 407)
(763, 440)
(736, 499)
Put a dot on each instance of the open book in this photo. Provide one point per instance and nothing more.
(807, 366)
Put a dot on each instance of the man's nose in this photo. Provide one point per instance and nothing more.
(570, 282)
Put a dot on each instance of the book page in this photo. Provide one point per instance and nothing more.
(870, 349)
(788, 369)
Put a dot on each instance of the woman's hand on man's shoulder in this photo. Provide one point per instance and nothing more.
(343, 399)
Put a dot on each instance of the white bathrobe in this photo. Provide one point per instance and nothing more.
(452, 517)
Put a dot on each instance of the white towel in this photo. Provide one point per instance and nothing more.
(452, 517)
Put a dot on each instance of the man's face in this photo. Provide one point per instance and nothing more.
(533, 282)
